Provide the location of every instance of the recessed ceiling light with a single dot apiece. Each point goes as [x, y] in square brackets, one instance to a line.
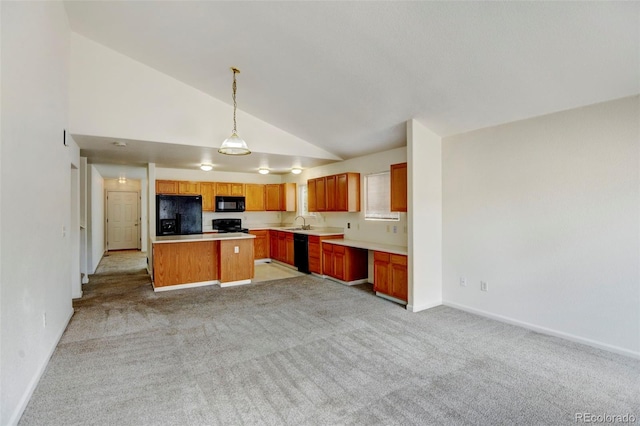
[263, 171]
[206, 167]
[296, 170]
[120, 144]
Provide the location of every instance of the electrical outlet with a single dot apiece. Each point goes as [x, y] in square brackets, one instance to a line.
[395, 229]
[64, 231]
[348, 225]
[463, 281]
[387, 228]
[44, 319]
[484, 286]
[236, 249]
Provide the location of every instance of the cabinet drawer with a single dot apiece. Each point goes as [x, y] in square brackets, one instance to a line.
[314, 265]
[399, 259]
[314, 250]
[314, 239]
[338, 249]
[381, 256]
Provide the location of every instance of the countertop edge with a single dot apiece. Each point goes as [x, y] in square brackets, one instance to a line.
[388, 248]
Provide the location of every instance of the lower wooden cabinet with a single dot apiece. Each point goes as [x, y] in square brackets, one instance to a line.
[315, 251]
[261, 243]
[390, 275]
[281, 246]
[344, 263]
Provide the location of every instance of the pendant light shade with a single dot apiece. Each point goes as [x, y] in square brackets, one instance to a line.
[234, 145]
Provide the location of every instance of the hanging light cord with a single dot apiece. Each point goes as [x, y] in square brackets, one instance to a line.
[235, 71]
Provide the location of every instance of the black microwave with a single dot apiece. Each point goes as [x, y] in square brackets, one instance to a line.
[229, 204]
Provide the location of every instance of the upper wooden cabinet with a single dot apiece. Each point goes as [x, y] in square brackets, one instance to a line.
[335, 193]
[399, 187]
[188, 188]
[166, 187]
[348, 192]
[272, 195]
[207, 189]
[230, 188]
[280, 197]
[255, 197]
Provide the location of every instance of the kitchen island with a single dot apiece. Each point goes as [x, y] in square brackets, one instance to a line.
[183, 261]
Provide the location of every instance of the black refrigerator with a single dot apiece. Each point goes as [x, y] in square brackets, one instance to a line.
[178, 214]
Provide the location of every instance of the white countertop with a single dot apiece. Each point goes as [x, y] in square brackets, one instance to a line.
[201, 237]
[318, 232]
[388, 248]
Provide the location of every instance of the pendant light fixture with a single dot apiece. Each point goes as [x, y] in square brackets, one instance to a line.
[234, 145]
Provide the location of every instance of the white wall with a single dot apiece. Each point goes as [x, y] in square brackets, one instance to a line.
[546, 210]
[373, 231]
[144, 104]
[35, 266]
[424, 185]
[96, 238]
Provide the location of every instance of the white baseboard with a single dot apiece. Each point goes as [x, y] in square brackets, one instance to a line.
[545, 330]
[235, 283]
[183, 286]
[15, 418]
[259, 261]
[354, 282]
[418, 308]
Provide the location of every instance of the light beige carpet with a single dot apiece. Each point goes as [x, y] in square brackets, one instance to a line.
[305, 351]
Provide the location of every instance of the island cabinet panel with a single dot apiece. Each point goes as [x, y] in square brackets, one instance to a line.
[166, 187]
[188, 188]
[183, 263]
[390, 275]
[315, 251]
[230, 188]
[344, 263]
[236, 260]
[207, 189]
[261, 243]
[398, 187]
[274, 253]
[255, 197]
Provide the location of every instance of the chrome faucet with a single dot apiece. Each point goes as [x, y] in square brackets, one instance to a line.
[304, 223]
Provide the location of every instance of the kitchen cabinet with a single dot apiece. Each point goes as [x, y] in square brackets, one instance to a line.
[347, 192]
[280, 197]
[315, 251]
[230, 188]
[260, 243]
[335, 193]
[311, 195]
[330, 191]
[166, 187]
[255, 197]
[344, 263]
[274, 253]
[398, 177]
[273, 193]
[288, 258]
[390, 275]
[188, 188]
[207, 190]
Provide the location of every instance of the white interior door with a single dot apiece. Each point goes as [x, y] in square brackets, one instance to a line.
[122, 220]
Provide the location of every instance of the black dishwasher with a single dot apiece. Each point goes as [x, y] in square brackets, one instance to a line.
[301, 252]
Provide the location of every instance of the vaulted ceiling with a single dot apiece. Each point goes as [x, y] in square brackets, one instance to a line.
[345, 76]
